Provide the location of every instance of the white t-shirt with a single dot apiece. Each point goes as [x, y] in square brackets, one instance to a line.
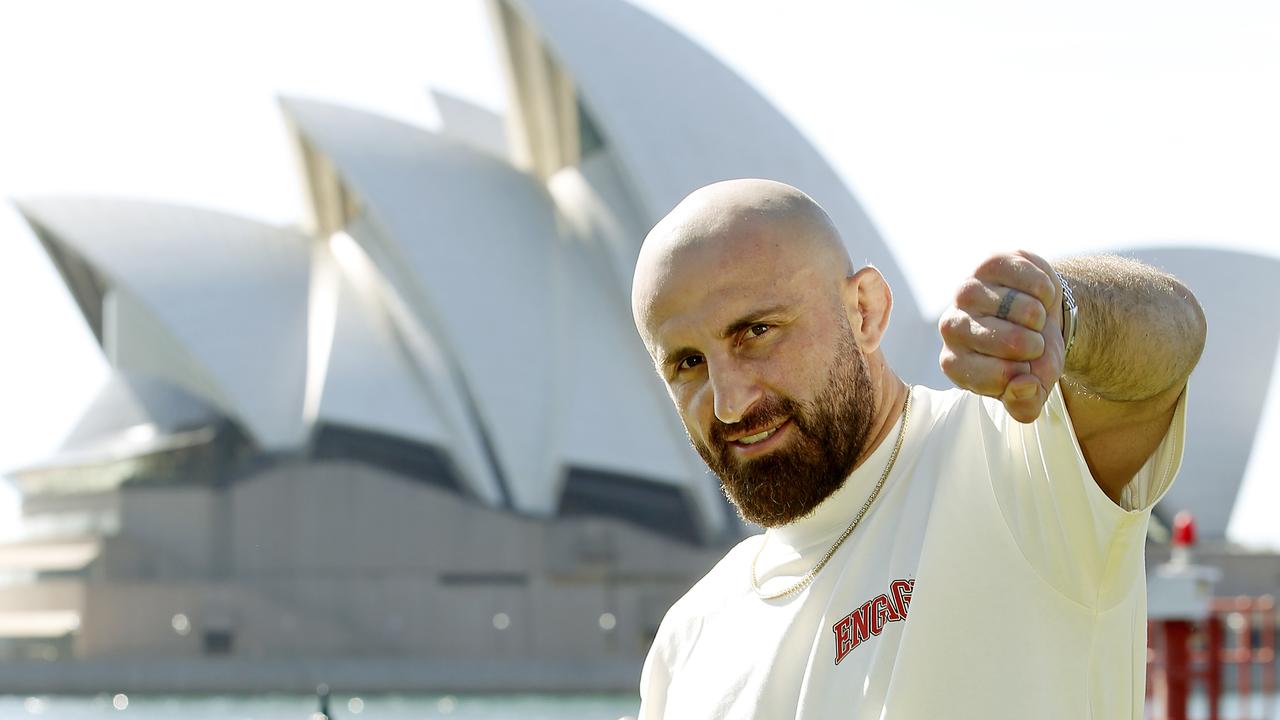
[992, 578]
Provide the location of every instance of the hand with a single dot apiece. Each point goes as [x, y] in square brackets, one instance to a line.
[1016, 359]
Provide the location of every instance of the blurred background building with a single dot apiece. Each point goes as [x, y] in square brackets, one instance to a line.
[415, 442]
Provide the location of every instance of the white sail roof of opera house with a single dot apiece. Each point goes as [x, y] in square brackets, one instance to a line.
[674, 118]
[230, 311]
[368, 379]
[530, 318]
[127, 400]
[472, 124]
[131, 415]
[141, 273]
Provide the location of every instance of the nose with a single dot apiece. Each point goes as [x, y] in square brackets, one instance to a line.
[734, 390]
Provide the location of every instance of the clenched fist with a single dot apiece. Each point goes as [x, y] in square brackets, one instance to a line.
[1002, 337]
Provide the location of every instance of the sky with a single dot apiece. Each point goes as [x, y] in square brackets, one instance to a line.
[963, 128]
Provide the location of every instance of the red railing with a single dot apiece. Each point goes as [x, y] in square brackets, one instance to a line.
[1235, 644]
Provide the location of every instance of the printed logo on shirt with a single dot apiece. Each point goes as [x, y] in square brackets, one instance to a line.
[869, 620]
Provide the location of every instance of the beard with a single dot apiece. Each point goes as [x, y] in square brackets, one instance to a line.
[827, 435]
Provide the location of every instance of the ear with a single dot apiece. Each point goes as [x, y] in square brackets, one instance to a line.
[867, 304]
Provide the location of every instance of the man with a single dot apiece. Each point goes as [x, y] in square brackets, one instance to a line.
[975, 553]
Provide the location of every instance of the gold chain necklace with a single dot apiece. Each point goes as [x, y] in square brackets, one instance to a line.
[805, 581]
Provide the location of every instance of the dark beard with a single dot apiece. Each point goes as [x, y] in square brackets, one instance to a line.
[828, 434]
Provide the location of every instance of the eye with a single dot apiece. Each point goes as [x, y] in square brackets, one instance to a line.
[757, 330]
[689, 362]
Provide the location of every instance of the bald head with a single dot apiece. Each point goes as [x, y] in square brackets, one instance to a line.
[763, 225]
[767, 340]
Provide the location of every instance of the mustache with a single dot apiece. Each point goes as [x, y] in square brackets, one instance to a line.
[765, 413]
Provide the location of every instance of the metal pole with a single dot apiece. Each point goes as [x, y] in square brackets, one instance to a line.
[1177, 635]
[1213, 667]
[1266, 606]
[1244, 641]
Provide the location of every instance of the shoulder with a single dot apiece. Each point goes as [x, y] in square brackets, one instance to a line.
[727, 579]
[726, 582]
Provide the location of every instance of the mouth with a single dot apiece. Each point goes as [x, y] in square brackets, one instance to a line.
[759, 442]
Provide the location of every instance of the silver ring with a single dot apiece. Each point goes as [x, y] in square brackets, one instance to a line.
[1006, 304]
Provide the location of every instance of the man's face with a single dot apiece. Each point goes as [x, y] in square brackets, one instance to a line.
[764, 370]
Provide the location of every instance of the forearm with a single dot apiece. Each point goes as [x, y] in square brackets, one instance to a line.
[1140, 331]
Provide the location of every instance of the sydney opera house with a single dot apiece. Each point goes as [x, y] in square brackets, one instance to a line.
[415, 443]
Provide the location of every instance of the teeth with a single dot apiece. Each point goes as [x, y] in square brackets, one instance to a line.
[753, 439]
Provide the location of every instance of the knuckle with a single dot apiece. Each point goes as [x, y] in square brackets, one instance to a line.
[971, 292]
[990, 266]
[1030, 257]
[952, 325]
[949, 362]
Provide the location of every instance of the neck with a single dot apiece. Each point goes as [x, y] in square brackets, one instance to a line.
[891, 396]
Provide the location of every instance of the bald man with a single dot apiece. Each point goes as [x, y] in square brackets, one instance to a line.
[969, 553]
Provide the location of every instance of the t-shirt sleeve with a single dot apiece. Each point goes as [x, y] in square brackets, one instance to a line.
[1076, 537]
[654, 679]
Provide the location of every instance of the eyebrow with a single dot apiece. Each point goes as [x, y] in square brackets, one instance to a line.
[742, 323]
[749, 319]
